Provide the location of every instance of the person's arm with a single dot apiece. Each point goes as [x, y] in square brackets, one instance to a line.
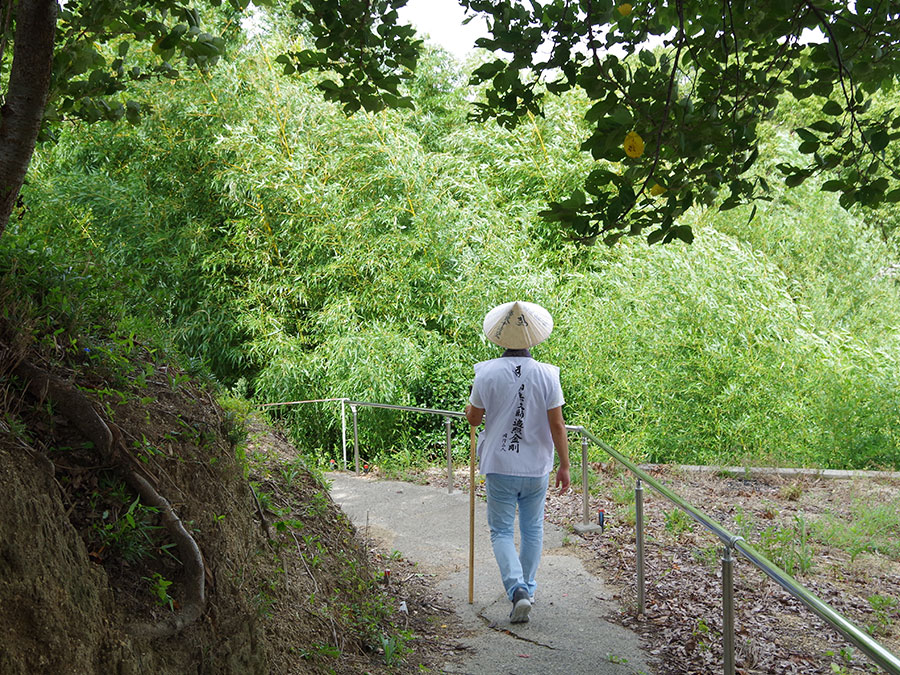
[561, 443]
[474, 415]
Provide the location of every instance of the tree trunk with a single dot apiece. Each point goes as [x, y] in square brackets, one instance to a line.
[29, 84]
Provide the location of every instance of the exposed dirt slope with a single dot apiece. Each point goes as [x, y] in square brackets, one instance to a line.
[289, 587]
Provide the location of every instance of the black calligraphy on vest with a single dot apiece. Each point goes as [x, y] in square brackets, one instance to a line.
[518, 425]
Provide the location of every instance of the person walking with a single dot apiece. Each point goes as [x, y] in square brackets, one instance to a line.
[520, 401]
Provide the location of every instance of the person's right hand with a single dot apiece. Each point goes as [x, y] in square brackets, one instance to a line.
[562, 480]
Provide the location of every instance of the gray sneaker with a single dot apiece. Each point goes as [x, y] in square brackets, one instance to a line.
[521, 606]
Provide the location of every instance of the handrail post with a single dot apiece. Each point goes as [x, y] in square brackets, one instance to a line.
[585, 488]
[344, 431]
[639, 542]
[728, 609]
[447, 423]
[585, 525]
[355, 439]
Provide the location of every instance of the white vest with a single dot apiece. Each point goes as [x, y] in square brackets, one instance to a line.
[516, 393]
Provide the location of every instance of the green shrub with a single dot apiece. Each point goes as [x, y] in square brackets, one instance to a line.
[308, 255]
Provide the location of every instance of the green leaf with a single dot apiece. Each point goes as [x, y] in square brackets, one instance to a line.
[600, 109]
[832, 108]
[173, 38]
[879, 141]
[831, 160]
[880, 184]
[133, 112]
[683, 232]
[808, 147]
[647, 57]
[824, 126]
[833, 186]
[371, 103]
[622, 115]
[612, 239]
[848, 199]
[597, 181]
[655, 236]
[795, 179]
[752, 215]
[729, 204]
[576, 201]
[750, 160]
[785, 168]
[488, 70]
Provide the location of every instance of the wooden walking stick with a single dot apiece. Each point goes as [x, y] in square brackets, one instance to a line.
[472, 513]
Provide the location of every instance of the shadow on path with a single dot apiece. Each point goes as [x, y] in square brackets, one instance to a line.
[567, 632]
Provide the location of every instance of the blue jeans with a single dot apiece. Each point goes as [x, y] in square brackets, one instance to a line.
[504, 493]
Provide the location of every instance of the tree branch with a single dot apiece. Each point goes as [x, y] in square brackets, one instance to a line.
[849, 96]
[669, 92]
[737, 57]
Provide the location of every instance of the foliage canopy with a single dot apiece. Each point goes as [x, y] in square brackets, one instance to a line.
[677, 89]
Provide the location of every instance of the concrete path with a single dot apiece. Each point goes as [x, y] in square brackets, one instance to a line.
[567, 632]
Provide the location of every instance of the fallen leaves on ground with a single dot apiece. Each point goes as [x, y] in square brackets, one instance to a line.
[682, 624]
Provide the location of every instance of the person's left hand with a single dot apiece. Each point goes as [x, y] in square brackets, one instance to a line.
[562, 480]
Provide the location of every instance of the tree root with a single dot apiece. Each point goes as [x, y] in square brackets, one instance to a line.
[262, 514]
[191, 558]
[78, 410]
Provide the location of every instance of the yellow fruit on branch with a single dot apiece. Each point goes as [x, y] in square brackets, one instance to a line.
[657, 190]
[624, 9]
[634, 145]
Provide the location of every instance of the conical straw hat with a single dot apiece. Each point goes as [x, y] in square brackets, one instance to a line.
[518, 325]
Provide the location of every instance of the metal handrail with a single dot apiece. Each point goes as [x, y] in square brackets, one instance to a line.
[823, 610]
[389, 406]
[731, 542]
[433, 411]
[713, 526]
